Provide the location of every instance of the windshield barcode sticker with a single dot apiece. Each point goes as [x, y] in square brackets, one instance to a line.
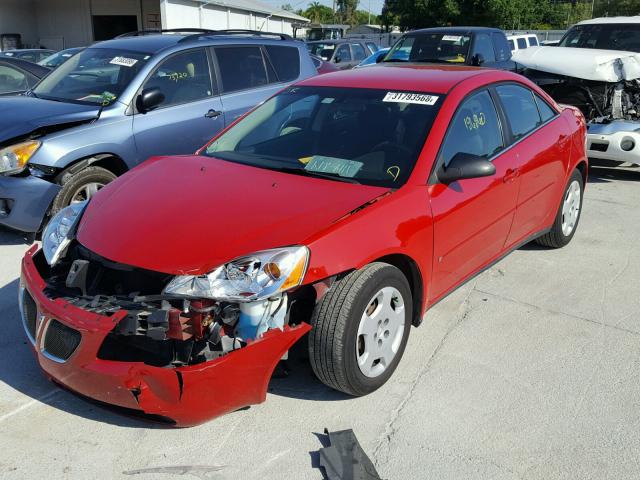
[451, 38]
[419, 98]
[124, 61]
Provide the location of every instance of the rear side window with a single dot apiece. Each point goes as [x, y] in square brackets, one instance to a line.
[241, 68]
[520, 108]
[546, 112]
[502, 48]
[512, 45]
[286, 61]
[533, 41]
[475, 129]
[484, 47]
[522, 43]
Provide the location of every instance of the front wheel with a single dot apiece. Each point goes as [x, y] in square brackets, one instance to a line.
[566, 222]
[360, 329]
[81, 186]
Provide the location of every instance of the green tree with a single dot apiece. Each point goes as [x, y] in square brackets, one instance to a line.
[346, 11]
[288, 7]
[318, 13]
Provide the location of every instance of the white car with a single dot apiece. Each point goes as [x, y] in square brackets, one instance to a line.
[522, 41]
[596, 67]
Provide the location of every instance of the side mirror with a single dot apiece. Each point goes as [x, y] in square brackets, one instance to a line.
[477, 60]
[465, 165]
[337, 60]
[380, 57]
[149, 99]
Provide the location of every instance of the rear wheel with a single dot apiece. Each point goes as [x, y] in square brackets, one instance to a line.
[568, 216]
[360, 329]
[81, 186]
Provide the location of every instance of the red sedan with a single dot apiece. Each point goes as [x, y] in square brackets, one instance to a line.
[346, 206]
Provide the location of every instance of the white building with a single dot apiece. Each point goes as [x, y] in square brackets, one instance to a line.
[61, 24]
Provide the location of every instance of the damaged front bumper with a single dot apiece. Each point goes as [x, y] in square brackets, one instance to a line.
[66, 340]
[617, 141]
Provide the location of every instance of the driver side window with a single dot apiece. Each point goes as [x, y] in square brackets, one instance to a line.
[343, 53]
[475, 129]
[182, 78]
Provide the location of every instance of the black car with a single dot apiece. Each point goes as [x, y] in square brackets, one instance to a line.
[17, 76]
[476, 46]
[347, 53]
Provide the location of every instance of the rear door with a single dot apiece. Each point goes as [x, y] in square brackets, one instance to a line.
[248, 77]
[343, 58]
[191, 113]
[541, 145]
[472, 217]
[358, 53]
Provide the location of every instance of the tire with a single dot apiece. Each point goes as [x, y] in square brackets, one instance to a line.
[558, 236]
[73, 185]
[335, 343]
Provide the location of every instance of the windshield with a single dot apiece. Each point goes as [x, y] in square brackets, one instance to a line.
[94, 76]
[322, 50]
[605, 36]
[58, 58]
[355, 135]
[432, 47]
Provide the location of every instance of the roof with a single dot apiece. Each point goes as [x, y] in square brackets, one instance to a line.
[421, 78]
[601, 20]
[455, 30]
[255, 6]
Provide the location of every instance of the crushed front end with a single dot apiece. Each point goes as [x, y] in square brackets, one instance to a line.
[108, 331]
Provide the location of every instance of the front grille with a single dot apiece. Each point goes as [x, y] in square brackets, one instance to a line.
[599, 147]
[61, 341]
[29, 312]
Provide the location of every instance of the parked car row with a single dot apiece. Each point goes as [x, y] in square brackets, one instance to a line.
[344, 205]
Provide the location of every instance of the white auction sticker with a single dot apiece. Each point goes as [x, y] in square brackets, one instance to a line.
[452, 38]
[124, 61]
[402, 97]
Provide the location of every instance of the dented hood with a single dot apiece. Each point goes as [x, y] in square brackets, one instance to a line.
[585, 63]
[22, 115]
[190, 214]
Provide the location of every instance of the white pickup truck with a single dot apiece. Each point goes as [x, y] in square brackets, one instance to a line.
[596, 67]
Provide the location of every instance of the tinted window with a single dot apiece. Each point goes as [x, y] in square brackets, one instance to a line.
[511, 44]
[520, 109]
[370, 136]
[533, 41]
[500, 45]
[286, 61]
[182, 78]
[546, 112]
[484, 47]
[322, 50]
[241, 68]
[475, 129]
[612, 36]
[373, 48]
[29, 56]
[522, 43]
[12, 80]
[343, 53]
[358, 51]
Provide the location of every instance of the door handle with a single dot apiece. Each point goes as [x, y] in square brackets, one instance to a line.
[511, 175]
[213, 113]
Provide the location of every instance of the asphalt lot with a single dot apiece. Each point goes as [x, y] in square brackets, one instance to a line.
[530, 371]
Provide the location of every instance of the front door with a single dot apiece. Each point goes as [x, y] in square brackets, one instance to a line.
[191, 113]
[472, 217]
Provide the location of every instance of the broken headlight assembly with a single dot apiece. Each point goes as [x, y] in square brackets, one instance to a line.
[60, 231]
[13, 159]
[246, 279]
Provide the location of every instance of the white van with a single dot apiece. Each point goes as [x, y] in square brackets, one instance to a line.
[522, 41]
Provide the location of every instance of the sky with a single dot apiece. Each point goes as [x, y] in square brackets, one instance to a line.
[376, 5]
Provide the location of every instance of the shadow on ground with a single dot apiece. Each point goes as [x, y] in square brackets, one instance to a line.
[599, 174]
[13, 237]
